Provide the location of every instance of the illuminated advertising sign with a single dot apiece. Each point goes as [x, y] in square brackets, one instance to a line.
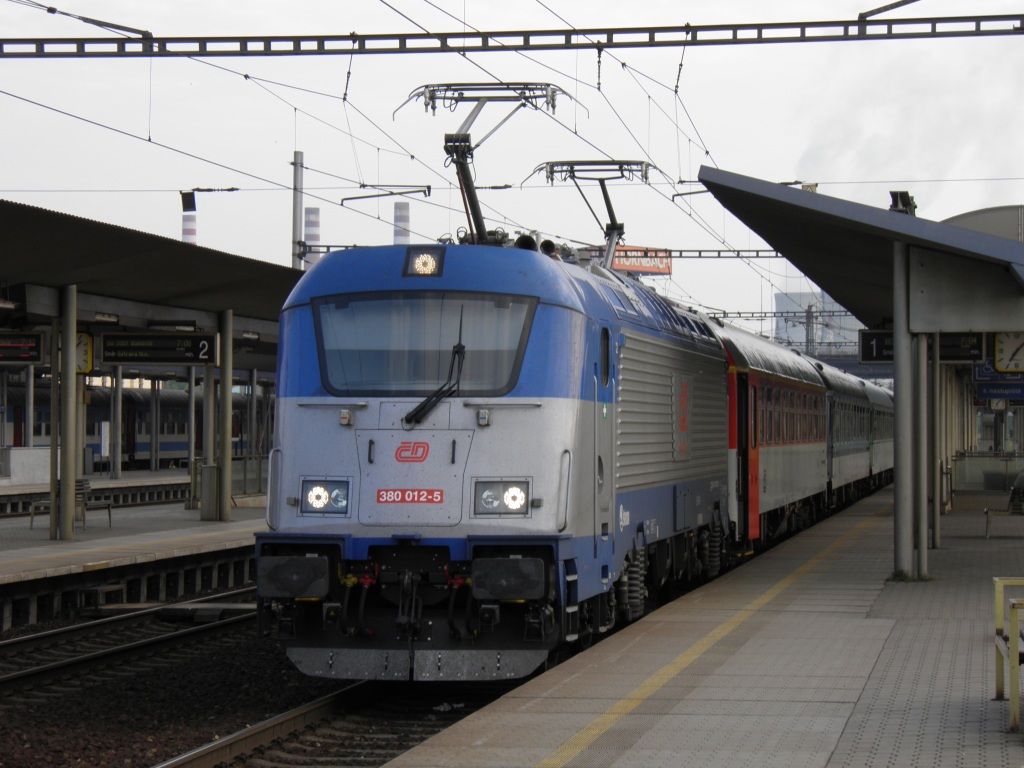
[642, 261]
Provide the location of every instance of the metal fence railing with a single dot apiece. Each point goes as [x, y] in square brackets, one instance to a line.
[248, 476]
[986, 471]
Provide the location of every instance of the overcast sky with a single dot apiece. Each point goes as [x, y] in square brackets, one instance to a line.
[941, 118]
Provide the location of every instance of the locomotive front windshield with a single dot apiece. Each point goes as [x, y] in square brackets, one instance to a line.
[403, 344]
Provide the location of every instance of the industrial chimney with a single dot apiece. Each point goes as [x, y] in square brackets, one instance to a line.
[311, 228]
[401, 223]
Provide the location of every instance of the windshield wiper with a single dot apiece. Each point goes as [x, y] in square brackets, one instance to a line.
[450, 386]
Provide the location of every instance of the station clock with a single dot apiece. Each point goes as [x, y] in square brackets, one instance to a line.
[1008, 356]
[83, 353]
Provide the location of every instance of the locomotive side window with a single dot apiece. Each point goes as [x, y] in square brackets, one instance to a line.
[606, 363]
[403, 344]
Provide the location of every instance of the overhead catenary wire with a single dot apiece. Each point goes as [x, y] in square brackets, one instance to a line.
[347, 102]
[148, 139]
[689, 210]
[296, 110]
[193, 156]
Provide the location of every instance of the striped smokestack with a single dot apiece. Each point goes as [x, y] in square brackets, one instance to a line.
[188, 228]
[311, 228]
[188, 216]
[401, 223]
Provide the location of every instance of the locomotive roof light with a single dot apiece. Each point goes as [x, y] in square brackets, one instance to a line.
[424, 261]
[424, 264]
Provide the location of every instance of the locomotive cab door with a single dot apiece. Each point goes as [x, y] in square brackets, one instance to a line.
[604, 442]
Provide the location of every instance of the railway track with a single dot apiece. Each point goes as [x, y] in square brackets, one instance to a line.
[33, 661]
[365, 724]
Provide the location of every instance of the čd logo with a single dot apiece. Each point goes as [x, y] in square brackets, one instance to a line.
[409, 452]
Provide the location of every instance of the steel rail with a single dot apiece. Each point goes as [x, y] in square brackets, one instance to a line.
[249, 739]
[497, 41]
[23, 678]
[52, 636]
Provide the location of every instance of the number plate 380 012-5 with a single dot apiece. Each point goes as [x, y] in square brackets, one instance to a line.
[410, 496]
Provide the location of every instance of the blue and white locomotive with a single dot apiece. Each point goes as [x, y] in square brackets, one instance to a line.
[481, 454]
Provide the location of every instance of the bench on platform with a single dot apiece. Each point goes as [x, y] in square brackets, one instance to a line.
[1014, 503]
[82, 505]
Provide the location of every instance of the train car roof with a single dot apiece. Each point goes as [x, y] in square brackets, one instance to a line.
[841, 382]
[748, 351]
[470, 268]
[589, 289]
[879, 396]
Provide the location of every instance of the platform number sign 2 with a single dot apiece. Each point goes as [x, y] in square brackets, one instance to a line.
[161, 348]
[681, 416]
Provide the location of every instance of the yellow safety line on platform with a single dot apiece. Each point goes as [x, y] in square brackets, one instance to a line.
[573, 746]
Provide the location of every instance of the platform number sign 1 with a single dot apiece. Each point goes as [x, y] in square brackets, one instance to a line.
[876, 346]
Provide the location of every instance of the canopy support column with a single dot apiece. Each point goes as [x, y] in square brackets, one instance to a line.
[226, 380]
[69, 411]
[903, 496]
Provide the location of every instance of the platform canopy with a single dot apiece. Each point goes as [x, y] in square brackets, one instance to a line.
[144, 280]
[49, 248]
[960, 279]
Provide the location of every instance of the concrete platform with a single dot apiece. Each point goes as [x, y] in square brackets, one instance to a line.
[134, 487]
[151, 553]
[806, 656]
[103, 481]
[137, 535]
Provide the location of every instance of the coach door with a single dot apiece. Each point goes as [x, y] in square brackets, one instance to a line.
[756, 430]
[604, 421]
[743, 425]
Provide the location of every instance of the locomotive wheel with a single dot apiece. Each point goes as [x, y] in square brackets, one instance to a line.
[586, 638]
[714, 551]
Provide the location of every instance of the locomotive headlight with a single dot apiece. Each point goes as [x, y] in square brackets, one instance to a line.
[514, 498]
[316, 497]
[325, 497]
[502, 497]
